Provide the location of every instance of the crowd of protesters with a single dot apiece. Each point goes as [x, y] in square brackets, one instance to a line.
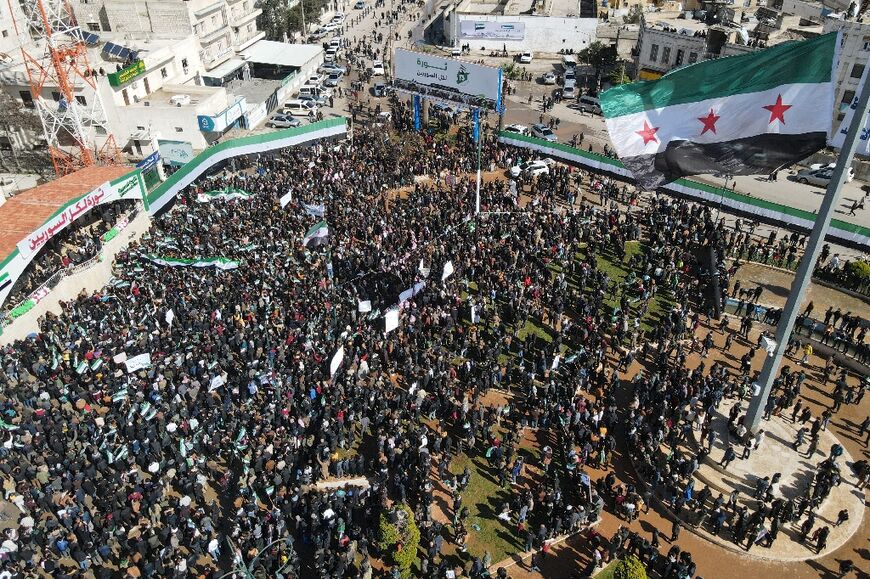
[209, 454]
[71, 247]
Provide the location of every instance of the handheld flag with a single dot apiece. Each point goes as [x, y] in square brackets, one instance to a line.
[742, 115]
[317, 235]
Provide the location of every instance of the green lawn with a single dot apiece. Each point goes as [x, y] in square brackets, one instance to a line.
[607, 572]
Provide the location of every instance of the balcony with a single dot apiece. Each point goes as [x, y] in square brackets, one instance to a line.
[215, 34]
[244, 42]
[241, 17]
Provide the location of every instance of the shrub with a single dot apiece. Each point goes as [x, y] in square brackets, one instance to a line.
[400, 539]
[630, 568]
[859, 271]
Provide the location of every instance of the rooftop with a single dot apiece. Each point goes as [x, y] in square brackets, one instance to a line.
[556, 8]
[255, 90]
[281, 53]
[26, 211]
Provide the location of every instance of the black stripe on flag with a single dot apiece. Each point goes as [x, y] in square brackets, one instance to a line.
[5, 283]
[750, 156]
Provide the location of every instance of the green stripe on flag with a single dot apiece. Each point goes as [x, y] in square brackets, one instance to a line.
[808, 61]
[219, 262]
[81, 367]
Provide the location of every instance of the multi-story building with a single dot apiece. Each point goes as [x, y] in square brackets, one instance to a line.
[222, 27]
[854, 52]
[660, 50]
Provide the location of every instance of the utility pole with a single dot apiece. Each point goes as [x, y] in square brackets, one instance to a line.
[807, 264]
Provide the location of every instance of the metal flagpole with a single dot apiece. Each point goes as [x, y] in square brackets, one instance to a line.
[807, 265]
[479, 139]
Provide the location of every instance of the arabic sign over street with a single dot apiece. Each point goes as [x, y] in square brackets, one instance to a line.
[447, 78]
[487, 30]
[125, 188]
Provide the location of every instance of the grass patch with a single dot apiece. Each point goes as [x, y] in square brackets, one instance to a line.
[607, 572]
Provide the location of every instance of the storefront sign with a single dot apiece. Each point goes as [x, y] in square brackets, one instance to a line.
[125, 75]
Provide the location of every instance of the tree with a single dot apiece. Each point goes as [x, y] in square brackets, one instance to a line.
[599, 55]
[618, 75]
[399, 536]
[635, 15]
[630, 568]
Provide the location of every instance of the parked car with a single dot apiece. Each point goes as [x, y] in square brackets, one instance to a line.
[526, 57]
[820, 175]
[333, 79]
[330, 68]
[589, 104]
[302, 108]
[455, 52]
[282, 121]
[543, 132]
[319, 33]
[380, 89]
[332, 26]
[548, 78]
[569, 92]
[377, 68]
[519, 129]
[569, 77]
[320, 101]
[359, 5]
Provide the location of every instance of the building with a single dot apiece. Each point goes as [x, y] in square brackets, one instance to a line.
[854, 52]
[664, 48]
[550, 26]
[222, 27]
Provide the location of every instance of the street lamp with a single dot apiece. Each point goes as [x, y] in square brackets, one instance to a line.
[245, 570]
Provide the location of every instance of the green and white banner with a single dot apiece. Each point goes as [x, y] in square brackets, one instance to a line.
[225, 194]
[223, 263]
[849, 234]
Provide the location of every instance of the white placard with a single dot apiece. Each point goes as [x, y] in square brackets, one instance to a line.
[448, 270]
[286, 199]
[137, 363]
[391, 321]
[364, 306]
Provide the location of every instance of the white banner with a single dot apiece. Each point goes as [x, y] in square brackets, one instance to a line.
[364, 306]
[286, 199]
[137, 363]
[336, 361]
[391, 321]
[446, 78]
[487, 30]
[839, 137]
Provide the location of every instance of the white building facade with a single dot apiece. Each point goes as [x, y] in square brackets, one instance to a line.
[854, 52]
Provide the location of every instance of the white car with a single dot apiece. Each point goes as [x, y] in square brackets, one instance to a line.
[329, 68]
[532, 168]
[315, 80]
[377, 68]
[548, 78]
[820, 175]
[518, 129]
[543, 132]
[526, 58]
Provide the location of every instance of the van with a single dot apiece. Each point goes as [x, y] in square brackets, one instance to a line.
[310, 90]
[300, 108]
[569, 62]
[588, 103]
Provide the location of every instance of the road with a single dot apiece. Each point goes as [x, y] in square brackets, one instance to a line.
[361, 24]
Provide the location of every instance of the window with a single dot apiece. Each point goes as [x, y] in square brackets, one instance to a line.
[857, 71]
[100, 130]
[93, 26]
[179, 130]
[693, 57]
[55, 96]
[81, 100]
[679, 60]
[5, 34]
[867, 43]
[140, 128]
[666, 54]
[184, 65]
[847, 97]
[27, 98]
[163, 73]
[653, 52]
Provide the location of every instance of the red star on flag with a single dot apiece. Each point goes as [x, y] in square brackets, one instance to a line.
[648, 133]
[777, 110]
[709, 122]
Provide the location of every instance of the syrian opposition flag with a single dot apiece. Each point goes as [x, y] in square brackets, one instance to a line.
[741, 115]
[317, 235]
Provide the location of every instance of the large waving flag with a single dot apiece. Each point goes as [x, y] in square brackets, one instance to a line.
[742, 115]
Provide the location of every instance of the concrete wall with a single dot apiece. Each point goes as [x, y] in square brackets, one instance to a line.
[543, 33]
[167, 18]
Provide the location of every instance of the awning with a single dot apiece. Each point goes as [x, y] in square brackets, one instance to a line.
[118, 51]
[225, 69]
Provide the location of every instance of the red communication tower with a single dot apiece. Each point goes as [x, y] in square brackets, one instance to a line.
[75, 124]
